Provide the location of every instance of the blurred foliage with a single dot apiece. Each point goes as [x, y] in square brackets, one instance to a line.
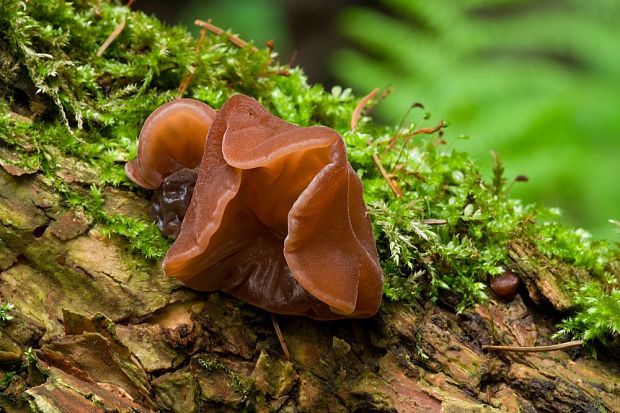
[535, 80]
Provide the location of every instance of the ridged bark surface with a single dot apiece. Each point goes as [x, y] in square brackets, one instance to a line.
[111, 333]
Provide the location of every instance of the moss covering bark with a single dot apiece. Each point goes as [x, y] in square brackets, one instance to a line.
[97, 325]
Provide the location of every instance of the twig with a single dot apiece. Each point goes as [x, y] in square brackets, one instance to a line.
[535, 349]
[276, 327]
[188, 78]
[393, 186]
[409, 136]
[207, 26]
[435, 221]
[115, 33]
[357, 112]
[425, 131]
[184, 85]
[264, 72]
[203, 33]
[530, 218]
[355, 116]
[221, 32]
[397, 135]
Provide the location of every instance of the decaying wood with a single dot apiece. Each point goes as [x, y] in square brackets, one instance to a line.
[111, 333]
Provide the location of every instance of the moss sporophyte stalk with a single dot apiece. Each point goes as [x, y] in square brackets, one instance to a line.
[442, 239]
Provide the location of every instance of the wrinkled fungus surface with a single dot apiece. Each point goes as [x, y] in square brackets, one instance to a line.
[276, 217]
[171, 200]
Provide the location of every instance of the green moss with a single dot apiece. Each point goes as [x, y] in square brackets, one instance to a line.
[597, 315]
[5, 312]
[75, 104]
[573, 245]
[7, 379]
[438, 185]
[242, 386]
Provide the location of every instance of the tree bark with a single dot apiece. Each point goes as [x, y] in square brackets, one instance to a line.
[109, 332]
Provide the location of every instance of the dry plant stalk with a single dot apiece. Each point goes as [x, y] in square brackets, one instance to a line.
[354, 122]
[221, 32]
[391, 182]
[188, 78]
[276, 327]
[357, 112]
[207, 26]
[115, 33]
[536, 349]
[409, 136]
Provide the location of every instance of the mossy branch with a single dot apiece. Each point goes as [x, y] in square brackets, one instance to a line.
[60, 101]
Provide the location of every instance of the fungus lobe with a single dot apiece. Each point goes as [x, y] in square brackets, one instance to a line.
[171, 139]
[276, 218]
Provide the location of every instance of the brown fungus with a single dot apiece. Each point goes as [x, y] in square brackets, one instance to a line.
[277, 219]
[172, 138]
[171, 200]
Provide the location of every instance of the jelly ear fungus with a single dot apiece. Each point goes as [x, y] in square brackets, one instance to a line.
[276, 218]
[172, 138]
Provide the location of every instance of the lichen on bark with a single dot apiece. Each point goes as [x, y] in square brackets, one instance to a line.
[96, 325]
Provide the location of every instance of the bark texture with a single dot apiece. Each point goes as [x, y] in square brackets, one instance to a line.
[110, 333]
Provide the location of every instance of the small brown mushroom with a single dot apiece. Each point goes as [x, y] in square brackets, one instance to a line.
[172, 138]
[277, 219]
[505, 285]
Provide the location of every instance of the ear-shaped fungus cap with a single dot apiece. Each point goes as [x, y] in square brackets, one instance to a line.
[171, 139]
[277, 219]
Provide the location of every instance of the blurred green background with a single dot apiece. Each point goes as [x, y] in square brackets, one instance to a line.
[536, 80]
